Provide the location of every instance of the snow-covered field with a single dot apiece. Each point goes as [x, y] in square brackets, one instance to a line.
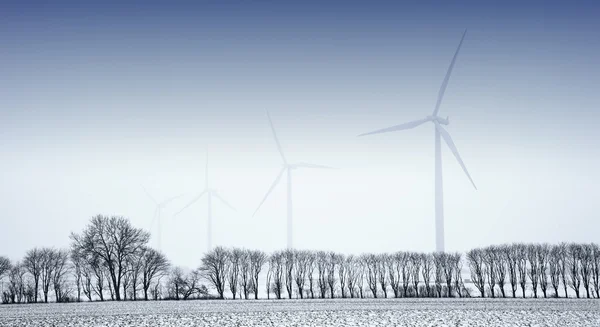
[388, 312]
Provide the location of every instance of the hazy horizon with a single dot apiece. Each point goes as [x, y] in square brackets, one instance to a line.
[100, 99]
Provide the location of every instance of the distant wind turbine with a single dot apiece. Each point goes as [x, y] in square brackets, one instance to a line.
[210, 193]
[439, 132]
[287, 167]
[157, 214]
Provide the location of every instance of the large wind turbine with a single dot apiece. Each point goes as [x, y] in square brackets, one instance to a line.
[439, 132]
[157, 213]
[210, 193]
[287, 168]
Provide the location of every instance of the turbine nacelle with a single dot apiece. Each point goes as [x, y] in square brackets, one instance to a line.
[440, 120]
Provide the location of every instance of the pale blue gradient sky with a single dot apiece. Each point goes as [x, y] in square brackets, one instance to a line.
[96, 100]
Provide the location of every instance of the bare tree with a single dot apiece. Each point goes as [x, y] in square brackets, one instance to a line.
[321, 263]
[457, 265]
[510, 260]
[406, 269]
[245, 274]
[475, 259]
[382, 272]
[532, 257]
[415, 264]
[289, 258]
[233, 269]
[489, 258]
[360, 276]
[332, 261]
[554, 265]
[543, 255]
[311, 258]
[257, 261]
[114, 240]
[4, 266]
[59, 276]
[276, 263]
[521, 253]
[153, 265]
[563, 252]
[352, 272]
[439, 259]
[214, 269]
[574, 254]
[587, 255]
[342, 273]
[500, 261]
[371, 264]
[33, 264]
[47, 270]
[270, 272]
[595, 269]
[449, 272]
[427, 262]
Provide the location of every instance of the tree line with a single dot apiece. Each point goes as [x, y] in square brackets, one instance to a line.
[111, 260]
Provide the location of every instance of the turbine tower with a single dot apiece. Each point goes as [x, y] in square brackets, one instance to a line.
[440, 132]
[157, 214]
[210, 193]
[287, 168]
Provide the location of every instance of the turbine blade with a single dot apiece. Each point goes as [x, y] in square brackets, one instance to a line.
[447, 77]
[308, 165]
[149, 196]
[191, 202]
[215, 194]
[448, 139]
[165, 202]
[270, 189]
[400, 127]
[276, 139]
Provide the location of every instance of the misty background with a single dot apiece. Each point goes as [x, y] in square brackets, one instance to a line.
[97, 100]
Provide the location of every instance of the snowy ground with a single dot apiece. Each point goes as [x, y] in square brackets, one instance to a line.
[449, 312]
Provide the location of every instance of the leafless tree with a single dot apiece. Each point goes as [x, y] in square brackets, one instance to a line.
[439, 259]
[415, 264]
[475, 259]
[595, 269]
[33, 264]
[153, 265]
[574, 254]
[587, 255]
[289, 258]
[543, 255]
[457, 265]
[554, 265]
[257, 261]
[427, 263]
[343, 273]
[4, 266]
[563, 252]
[245, 274]
[16, 282]
[406, 269]
[352, 272]
[47, 267]
[521, 254]
[371, 264]
[214, 269]
[360, 276]
[332, 261]
[114, 240]
[510, 259]
[532, 257]
[311, 258]
[60, 274]
[276, 263]
[489, 258]
[382, 272]
[501, 268]
[268, 279]
[321, 263]
[234, 258]
[449, 272]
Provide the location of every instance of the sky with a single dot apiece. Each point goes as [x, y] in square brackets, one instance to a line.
[101, 100]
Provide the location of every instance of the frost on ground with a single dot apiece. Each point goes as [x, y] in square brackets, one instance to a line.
[402, 312]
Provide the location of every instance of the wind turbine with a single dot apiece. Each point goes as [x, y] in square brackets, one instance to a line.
[157, 213]
[210, 193]
[440, 132]
[287, 168]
